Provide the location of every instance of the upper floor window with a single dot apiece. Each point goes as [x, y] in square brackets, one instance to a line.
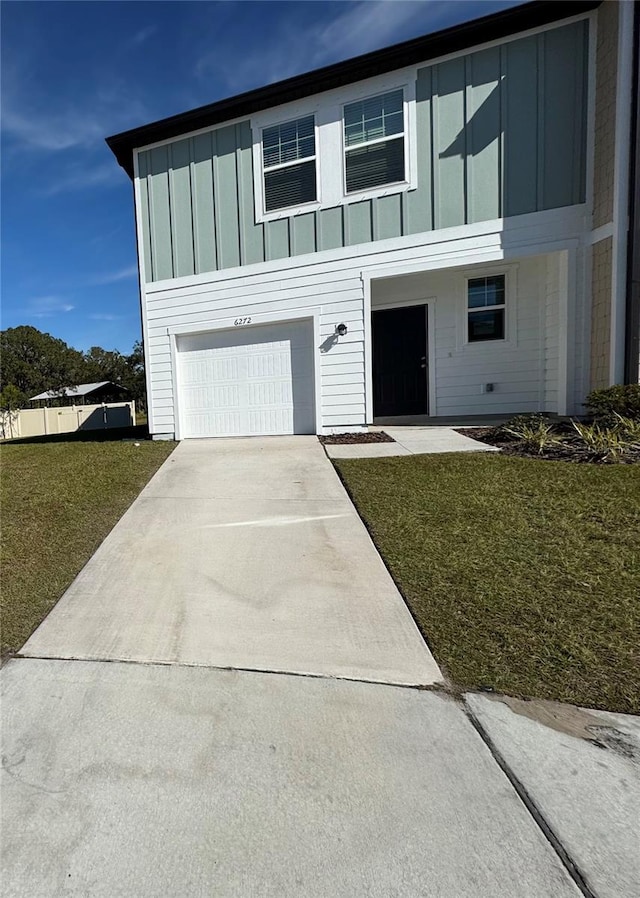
[335, 148]
[374, 142]
[486, 308]
[289, 164]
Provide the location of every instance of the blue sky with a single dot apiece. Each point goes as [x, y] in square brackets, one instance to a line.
[75, 72]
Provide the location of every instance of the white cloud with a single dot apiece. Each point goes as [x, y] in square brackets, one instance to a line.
[52, 131]
[80, 177]
[362, 26]
[112, 277]
[141, 36]
[104, 317]
[47, 306]
[32, 124]
[368, 25]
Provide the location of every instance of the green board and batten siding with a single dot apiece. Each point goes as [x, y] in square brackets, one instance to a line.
[500, 132]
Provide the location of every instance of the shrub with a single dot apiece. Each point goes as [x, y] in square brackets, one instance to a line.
[511, 429]
[629, 428]
[536, 436]
[622, 400]
[605, 443]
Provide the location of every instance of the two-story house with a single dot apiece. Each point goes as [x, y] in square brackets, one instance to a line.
[434, 230]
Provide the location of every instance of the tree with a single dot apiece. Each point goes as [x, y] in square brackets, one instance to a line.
[34, 362]
[125, 370]
[105, 364]
[11, 401]
[136, 381]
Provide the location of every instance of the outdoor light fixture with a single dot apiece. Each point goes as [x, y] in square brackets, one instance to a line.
[341, 329]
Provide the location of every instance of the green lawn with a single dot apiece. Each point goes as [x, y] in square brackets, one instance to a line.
[59, 501]
[523, 575]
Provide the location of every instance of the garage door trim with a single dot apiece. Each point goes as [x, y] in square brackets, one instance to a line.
[227, 324]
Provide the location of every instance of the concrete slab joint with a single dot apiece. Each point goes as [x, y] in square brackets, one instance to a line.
[580, 769]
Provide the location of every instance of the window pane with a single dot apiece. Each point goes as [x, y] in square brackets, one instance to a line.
[393, 124]
[374, 118]
[382, 163]
[476, 293]
[288, 141]
[486, 325]
[485, 291]
[495, 290]
[307, 146]
[291, 186]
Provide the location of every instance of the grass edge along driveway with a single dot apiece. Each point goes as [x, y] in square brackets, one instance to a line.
[523, 575]
[59, 500]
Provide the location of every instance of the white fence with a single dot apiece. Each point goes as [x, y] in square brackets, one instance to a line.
[41, 421]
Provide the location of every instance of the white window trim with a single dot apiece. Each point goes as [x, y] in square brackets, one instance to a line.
[328, 112]
[259, 171]
[509, 272]
[408, 117]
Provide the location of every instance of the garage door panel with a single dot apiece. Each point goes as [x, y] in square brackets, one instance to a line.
[200, 399]
[269, 393]
[276, 363]
[254, 380]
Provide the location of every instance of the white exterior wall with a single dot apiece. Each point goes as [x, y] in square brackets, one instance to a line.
[523, 368]
[532, 372]
[329, 299]
[550, 322]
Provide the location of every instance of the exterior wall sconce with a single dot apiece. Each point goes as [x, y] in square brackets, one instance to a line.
[341, 329]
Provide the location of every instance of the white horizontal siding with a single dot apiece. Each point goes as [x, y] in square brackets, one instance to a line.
[334, 299]
[330, 286]
[459, 370]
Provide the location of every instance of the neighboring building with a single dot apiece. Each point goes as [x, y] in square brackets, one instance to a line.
[84, 394]
[433, 230]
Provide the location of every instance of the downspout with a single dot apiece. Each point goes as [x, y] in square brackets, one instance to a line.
[632, 316]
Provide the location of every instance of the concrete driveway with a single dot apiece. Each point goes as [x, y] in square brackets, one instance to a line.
[242, 553]
[132, 765]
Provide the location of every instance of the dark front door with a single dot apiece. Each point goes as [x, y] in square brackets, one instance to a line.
[400, 361]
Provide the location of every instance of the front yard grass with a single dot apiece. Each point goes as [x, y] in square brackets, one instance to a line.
[523, 575]
[59, 500]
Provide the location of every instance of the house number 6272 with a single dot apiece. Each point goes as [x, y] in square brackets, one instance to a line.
[240, 321]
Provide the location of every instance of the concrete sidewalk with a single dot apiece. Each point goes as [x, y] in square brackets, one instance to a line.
[149, 781]
[581, 768]
[243, 553]
[411, 441]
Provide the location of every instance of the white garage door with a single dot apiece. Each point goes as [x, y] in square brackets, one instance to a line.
[245, 381]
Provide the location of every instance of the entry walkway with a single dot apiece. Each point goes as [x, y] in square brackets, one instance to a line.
[411, 441]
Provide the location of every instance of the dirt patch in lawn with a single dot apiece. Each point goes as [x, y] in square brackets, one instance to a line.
[345, 439]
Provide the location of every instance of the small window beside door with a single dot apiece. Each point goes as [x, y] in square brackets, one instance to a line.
[486, 308]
